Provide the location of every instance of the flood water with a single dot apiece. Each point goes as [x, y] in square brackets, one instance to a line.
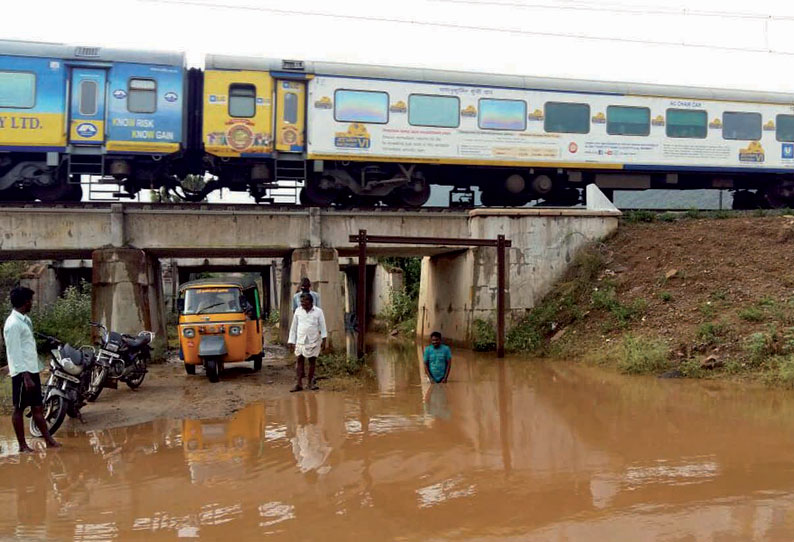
[512, 450]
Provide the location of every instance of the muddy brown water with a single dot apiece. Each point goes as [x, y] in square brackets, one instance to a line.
[512, 450]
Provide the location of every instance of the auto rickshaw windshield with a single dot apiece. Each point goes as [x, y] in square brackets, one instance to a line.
[212, 300]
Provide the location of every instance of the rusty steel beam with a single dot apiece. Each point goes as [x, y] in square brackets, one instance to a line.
[501, 243]
[456, 241]
[361, 292]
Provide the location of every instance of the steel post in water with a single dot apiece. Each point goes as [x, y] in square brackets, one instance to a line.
[361, 293]
[500, 296]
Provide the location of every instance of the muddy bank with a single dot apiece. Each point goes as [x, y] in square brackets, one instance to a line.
[684, 296]
[168, 392]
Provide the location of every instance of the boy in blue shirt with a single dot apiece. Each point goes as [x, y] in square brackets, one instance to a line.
[438, 359]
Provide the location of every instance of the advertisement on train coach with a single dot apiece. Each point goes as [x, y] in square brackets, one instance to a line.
[424, 122]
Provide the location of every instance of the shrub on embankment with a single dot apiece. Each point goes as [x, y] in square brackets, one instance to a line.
[696, 295]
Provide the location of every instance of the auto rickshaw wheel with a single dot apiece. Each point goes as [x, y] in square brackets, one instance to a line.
[258, 363]
[190, 368]
[212, 368]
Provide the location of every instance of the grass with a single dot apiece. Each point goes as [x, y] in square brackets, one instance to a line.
[633, 217]
[711, 333]
[606, 299]
[667, 217]
[751, 314]
[707, 309]
[484, 339]
[562, 307]
[5, 394]
[642, 355]
[666, 296]
[343, 372]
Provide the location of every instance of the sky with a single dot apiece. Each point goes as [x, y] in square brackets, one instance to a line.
[711, 43]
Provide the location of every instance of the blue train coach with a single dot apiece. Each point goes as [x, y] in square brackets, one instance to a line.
[69, 111]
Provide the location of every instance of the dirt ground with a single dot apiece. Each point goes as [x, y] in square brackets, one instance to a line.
[168, 392]
[692, 272]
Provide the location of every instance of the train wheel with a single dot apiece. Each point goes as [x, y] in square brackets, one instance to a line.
[414, 194]
[58, 192]
[780, 195]
[318, 192]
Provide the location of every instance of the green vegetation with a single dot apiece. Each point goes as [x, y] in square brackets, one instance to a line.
[400, 313]
[560, 308]
[191, 182]
[642, 355]
[605, 298]
[484, 336]
[693, 213]
[274, 318]
[751, 314]
[339, 365]
[633, 217]
[68, 318]
[668, 217]
[710, 333]
[666, 296]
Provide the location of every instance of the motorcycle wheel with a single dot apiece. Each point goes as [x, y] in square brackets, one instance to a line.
[212, 369]
[98, 374]
[54, 413]
[135, 380]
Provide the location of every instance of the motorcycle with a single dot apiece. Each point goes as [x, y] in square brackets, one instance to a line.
[69, 385]
[120, 357]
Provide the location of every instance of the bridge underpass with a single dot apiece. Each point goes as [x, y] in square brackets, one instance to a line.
[127, 243]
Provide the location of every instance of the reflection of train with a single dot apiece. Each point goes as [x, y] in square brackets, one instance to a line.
[365, 134]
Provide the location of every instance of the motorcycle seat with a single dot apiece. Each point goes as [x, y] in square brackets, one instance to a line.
[136, 342]
[72, 353]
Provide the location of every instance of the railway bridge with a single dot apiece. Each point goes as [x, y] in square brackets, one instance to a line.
[126, 243]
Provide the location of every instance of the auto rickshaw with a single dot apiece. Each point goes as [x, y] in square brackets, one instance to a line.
[219, 322]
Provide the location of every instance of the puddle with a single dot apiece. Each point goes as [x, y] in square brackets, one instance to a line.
[510, 450]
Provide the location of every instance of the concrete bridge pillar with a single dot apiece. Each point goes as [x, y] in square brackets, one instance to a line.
[42, 279]
[128, 293]
[321, 265]
[455, 290]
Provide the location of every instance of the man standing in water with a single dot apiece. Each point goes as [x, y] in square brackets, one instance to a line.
[23, 366]
[306, 288]
[307, 336]
[438, 359]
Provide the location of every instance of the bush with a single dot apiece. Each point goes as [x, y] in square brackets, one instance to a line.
[710, 332]
[273, 319]
[668, 217]
[640, 355]
[606, 299]
[484, 336]
[666, 296]
[68, 318]
[401, 308]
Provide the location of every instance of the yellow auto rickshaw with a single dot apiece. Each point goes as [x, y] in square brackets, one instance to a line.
[219, 322]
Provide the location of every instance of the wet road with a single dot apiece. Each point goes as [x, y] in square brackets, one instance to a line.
[506, 451]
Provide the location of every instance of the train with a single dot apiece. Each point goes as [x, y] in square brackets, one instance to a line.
[353, 134]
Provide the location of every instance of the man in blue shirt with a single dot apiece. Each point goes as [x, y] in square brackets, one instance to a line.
[438, 359]
[23, 366]
[306, 288]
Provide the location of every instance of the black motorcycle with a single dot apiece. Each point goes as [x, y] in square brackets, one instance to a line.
[70, 383]
[120, 357]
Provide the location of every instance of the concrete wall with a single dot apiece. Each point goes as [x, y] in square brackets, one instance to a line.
[42, 279]
[457, 289]
[127, 293]
[385, 281]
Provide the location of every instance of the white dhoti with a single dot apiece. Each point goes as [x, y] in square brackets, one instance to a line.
[310, 350]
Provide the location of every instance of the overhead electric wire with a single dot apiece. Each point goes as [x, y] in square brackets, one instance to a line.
[455, 26]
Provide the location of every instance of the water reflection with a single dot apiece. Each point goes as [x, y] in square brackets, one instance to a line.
[509, 450]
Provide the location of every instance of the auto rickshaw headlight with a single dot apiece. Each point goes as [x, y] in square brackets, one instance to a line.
[189, 332]
[235, 330]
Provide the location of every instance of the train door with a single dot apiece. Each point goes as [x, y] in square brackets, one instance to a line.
[87, 107]
[290, 115]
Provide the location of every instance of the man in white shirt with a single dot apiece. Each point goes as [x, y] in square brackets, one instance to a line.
[307, 336]
[23, 366]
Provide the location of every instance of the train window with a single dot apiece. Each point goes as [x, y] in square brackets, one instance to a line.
[502, 114]
[744, 126]
[784, 127]
[566, 118]
[687, 123]
[630, 121]
[291, 108]
[142, 96]
[88, 97]
[437, 111]
[17, 89]
[361, 106]
[242, 100]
